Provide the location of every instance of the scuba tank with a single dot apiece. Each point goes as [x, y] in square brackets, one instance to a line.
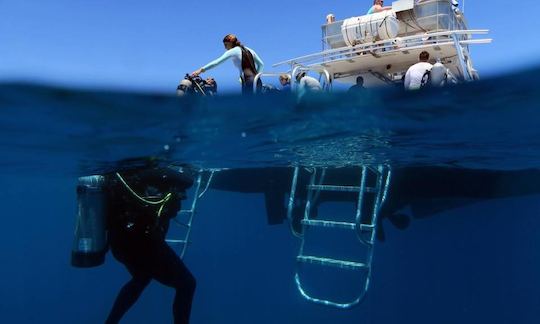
[438, 75]
[90, 242]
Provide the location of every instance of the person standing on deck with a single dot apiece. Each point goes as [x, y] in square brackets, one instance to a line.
[247, 61]
[377, 7]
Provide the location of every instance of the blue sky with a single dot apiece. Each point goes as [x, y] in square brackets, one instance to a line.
[149, 45]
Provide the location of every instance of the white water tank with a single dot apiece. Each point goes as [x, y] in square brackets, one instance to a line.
[369, 28]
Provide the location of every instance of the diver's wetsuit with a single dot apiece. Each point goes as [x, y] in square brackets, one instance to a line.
[249, 71]
[248, 63]
[137, 239]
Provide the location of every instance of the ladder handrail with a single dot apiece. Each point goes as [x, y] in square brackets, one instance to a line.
[327, 302]
[292, 196]
[188, 226]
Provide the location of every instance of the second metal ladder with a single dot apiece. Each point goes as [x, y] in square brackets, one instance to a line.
[186, 215]
[363, 226]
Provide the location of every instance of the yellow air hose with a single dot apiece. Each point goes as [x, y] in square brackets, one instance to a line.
[161, 202]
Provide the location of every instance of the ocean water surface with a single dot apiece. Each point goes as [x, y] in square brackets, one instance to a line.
[472, 263]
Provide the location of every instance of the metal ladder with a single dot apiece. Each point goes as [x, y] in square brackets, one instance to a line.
[365, 231]
[187, 223]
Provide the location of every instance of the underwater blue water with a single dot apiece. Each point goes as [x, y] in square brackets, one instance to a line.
[475, 264]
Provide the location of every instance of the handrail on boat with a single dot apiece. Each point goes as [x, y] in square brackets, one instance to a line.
[382, 44]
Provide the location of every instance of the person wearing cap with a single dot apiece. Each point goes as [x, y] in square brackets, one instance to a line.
[307, 84]
[377, 7]
[247, 61]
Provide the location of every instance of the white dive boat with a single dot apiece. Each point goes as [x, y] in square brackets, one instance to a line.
[380, 47]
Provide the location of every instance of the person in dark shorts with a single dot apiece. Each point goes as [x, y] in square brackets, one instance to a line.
[142, 203]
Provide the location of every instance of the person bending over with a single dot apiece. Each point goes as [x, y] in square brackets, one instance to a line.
[247, 61]
[307, 85]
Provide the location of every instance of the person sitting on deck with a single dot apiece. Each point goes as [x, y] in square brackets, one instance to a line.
[415, 76]
[285, 81]
[378, 7]
[358, 87]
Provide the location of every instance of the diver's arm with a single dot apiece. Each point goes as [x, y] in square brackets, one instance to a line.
[258, 62]
[227, 55]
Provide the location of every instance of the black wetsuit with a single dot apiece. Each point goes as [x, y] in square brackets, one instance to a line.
[137, 239]
[249, 71]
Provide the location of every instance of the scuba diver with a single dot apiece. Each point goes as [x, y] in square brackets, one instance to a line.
[129, 212]
[142, 204]
[195, 85]
[249, 64]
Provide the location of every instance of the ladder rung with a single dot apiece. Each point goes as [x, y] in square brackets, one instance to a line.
[339, 188]
[178, 241]
[186, 211]
[326, 223]
[179, 223]
[351, 265]
[366, 227]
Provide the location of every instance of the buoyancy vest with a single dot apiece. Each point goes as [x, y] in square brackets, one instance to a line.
[248, 63]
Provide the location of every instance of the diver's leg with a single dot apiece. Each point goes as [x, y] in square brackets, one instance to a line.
[247, 86]
[127, 296]
[169, 270]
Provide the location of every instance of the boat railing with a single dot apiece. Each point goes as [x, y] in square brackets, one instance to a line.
[464, 38]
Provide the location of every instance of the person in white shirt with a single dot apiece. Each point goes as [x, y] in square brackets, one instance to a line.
[415, 74]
